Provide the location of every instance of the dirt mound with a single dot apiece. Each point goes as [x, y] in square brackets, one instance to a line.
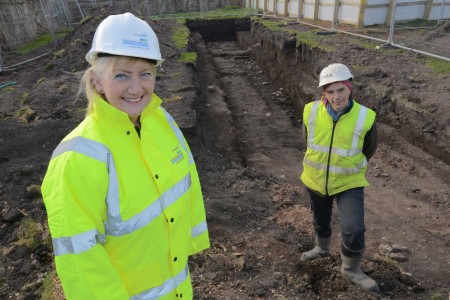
[441, 31]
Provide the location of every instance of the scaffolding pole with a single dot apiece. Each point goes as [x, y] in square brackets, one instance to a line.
[79, 8]
[66, 12]
[391, 27]
[1, 63]
[46, 16]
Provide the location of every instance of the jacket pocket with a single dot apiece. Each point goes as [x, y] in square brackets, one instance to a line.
[143, 278]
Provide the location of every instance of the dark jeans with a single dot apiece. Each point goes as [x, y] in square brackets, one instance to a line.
[350, 205]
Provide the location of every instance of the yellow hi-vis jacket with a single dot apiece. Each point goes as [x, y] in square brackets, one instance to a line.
[124, 212]
[334, 161]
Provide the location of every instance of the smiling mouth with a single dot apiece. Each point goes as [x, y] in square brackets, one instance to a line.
[132, 100]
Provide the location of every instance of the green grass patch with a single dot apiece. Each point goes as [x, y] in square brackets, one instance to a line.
[59, 54]
[311, 39]
[367, 44]
[273, 25]
[24, 99]
[308, 37]
[439, 66]
[173, 98]
[29, 233]
[24, 114]
[436, 296]
[9, 89]
[81, 110]
[188, 57]
[85, 19]
[417, 23]
[41, 41]
[180, 37]
[50, 287]
[230, 11]
[177, 74]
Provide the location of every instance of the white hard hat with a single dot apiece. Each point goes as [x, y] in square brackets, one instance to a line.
[334, 73]
[125, 35]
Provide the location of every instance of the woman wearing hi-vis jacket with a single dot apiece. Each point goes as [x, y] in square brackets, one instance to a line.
[122, 193]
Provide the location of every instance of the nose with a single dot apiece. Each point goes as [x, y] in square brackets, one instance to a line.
[135, 87]
[333, 96]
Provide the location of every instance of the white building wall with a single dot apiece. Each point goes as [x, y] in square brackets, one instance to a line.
[439, 11]
[260, 5]
[349, 14]
[270, 6]
[293, 8]
[374, 16]
[376, 2]
[375, 11]
[280, 7]
[409, 12]
[326, 12]
[308, 9]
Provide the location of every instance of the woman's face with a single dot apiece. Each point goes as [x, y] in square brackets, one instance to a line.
[128, 86]
[338, 95]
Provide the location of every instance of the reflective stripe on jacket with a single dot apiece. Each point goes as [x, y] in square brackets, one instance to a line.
[334, 161]
[124, 212]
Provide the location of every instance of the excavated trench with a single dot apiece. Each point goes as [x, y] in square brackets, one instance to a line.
[243, 113]
[290, 70]
[251, 86]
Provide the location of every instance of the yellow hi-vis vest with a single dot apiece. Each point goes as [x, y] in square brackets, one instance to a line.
[334, 161]
[124, 212]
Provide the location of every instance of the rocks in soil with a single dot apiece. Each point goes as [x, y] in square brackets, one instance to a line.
[396, 252]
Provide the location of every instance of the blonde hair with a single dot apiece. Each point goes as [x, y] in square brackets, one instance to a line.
[100, 67]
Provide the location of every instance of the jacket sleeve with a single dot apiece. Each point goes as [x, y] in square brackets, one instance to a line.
[370, 142]
[200, 234]
[305, 134]
[74, 191]
[199, 228]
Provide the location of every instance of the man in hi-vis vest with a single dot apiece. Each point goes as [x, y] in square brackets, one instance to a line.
[341, 137]
[123, 197]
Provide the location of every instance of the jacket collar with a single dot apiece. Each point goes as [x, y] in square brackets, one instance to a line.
[103, 111]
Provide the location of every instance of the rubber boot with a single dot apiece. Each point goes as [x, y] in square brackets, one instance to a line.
[321, 249]
[350, 268]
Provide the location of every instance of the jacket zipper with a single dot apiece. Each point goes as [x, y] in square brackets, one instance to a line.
[329, 158]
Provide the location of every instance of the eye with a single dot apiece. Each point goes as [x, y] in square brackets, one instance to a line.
[147, 75]
[120, 76]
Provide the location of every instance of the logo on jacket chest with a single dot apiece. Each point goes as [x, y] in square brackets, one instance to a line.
[177, 155]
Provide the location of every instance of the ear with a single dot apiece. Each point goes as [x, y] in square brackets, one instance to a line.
[97, 84]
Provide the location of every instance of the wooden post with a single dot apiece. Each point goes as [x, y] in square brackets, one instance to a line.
[286, 8]
[316, 10]
[300, 9]
[362, 13]
[265, 6]
[275, 7]
[389, 12]
[428, 7]
[337, 4]
[1, 63]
